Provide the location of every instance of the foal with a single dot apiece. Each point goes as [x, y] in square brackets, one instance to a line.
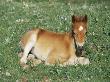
[56, 48]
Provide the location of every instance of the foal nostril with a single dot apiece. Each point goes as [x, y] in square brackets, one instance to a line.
[81, 48]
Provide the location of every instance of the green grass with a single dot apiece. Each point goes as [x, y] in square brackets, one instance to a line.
[16, 17]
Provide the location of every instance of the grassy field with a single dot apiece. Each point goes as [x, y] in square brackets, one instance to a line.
[18, 16]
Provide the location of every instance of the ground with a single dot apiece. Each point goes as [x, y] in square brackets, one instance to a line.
[18, 16]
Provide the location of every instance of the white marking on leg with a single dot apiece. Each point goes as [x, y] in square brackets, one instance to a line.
[80, 28]
[83, 61]
[28, 47]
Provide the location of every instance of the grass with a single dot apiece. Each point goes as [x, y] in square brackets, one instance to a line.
[18, 16]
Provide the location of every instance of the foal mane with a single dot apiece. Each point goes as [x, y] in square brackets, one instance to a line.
[78, 52]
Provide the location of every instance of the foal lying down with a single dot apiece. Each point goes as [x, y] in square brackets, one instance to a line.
[56, 48]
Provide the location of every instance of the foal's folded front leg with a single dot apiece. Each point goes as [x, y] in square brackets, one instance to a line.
[77, 60]
[83, 61]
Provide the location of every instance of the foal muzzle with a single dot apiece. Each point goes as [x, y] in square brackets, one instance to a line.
[79, 51]
[80, 48]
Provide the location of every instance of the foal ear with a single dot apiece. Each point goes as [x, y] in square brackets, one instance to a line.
[85, 18]
[73, 19]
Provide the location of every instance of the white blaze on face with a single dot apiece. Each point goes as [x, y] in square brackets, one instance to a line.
[81, 28]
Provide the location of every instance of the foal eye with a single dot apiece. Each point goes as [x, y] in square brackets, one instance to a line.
[74, 33]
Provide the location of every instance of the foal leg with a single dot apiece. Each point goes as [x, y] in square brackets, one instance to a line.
[83, 61]
[30, 44]
[51, 59]
[30, 56]
[77, 60]
[25, 53]
[71, 61]
[23, 59]
[34, 61]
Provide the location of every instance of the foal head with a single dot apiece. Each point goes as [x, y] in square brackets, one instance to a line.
[79, 29]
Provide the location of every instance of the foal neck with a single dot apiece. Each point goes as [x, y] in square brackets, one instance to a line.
[78, 52]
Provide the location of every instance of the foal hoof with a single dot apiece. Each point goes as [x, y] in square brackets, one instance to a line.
[20, 54]
[35, 62]
[31, 57]
[84, 61]
[24, 65]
